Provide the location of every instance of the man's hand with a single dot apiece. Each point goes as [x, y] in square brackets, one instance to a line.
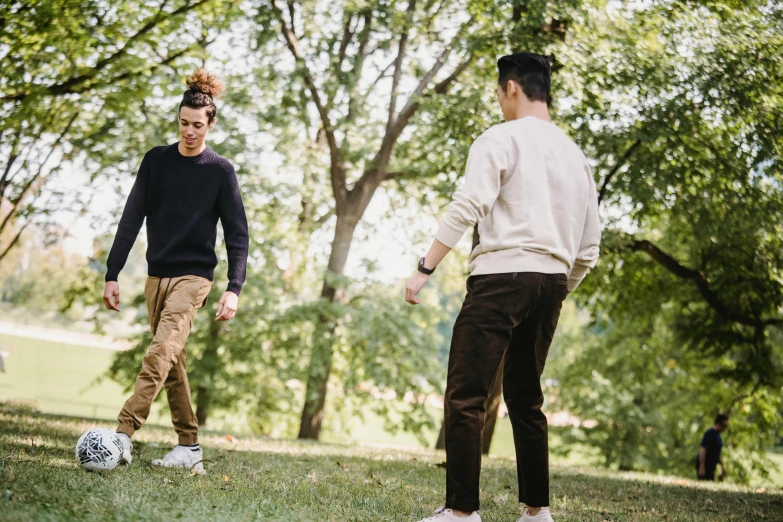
[227, 307]
[414, 286]
[702, 472]
[111, 295]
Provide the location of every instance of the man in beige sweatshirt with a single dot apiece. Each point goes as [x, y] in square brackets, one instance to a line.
[529, 190]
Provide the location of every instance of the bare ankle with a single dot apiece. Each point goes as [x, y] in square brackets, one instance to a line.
[533, 511]
[462, 514]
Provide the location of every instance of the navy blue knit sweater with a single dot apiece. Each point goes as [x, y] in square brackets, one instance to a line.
[182, 198]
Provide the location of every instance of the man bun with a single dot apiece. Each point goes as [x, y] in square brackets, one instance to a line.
[203, 88]
[205, 82]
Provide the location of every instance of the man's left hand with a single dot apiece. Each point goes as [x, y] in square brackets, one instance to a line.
[414, 286]
[227, 307]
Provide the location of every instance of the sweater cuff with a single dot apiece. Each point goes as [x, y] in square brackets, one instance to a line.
[449, 235]
[111, 275]
[234, 286]
[576, 276]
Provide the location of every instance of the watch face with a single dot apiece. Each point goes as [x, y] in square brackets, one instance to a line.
[424, 270]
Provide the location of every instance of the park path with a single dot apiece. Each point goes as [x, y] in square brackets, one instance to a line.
[63, 336]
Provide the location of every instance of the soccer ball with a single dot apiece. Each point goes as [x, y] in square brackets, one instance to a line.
[99, 449]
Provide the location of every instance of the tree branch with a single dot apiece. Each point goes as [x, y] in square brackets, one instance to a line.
[320, 220]
[13, 242]
[337, 173]
[401, 49]
[12, 156]
[292, 15]
[676, 268]
[356, 72]
[380, 77]
[163, 62]
[346, 39]
[443, 86]
[395, 175]
[374, 176]
[608, 178]
[431, 18]
[413, 102]
[36, 180]
[390, 138]
[51, 113]
[76, 84]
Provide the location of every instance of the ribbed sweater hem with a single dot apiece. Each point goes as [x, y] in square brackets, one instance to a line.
[179, 270]
[516, 260]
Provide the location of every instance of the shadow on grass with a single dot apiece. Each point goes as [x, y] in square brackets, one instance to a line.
[291, 480]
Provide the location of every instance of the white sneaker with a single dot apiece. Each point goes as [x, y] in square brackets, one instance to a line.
[183, 457]
[447, 515]
[126, 457]
[541, 516]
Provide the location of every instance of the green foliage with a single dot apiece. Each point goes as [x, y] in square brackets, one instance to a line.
[88, 84]
[679, 103]
[681, 109]
[644, 400]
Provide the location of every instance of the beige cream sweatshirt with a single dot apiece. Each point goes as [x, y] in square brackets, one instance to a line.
[530, 189]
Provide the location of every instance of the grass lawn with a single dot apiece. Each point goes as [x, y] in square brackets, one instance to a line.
[264, 479]
[59, 378]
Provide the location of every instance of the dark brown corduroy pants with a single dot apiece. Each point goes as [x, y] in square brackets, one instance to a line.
[511, 318]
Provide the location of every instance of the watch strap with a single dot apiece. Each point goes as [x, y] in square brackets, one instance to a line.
[424, 270]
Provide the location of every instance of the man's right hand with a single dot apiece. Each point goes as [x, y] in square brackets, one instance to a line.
[111, 296]
[702, 472]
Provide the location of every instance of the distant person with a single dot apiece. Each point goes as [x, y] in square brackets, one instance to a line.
[529, 189]
[709, 450]
[182, 190]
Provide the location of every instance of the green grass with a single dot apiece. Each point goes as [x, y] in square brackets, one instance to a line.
[776, 473]
[264, 479]
[60, 378]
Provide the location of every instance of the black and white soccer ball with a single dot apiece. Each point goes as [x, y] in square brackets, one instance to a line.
[99, 449]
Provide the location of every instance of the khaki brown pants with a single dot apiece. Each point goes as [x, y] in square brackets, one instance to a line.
[172, 303]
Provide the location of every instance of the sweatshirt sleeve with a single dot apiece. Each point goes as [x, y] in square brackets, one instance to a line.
[130, 222]
[486, 166]
[234, 220]
[587, 256]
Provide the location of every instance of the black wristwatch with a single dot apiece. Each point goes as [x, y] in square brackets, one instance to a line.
[424, 270]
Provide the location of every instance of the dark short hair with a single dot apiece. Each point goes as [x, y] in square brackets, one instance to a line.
[533, 73]
[721, 418]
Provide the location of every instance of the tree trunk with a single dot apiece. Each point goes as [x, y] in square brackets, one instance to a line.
[321, 360]
[490, 419]
[202, 404]
[209, 359]
[440, 444]
[493, 407]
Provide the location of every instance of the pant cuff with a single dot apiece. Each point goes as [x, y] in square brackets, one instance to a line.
[462, 504]
[188, 440]
[126, 429]
[537, 503]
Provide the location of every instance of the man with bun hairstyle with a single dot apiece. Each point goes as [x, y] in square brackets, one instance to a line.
[182, 190]
[529, 191]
